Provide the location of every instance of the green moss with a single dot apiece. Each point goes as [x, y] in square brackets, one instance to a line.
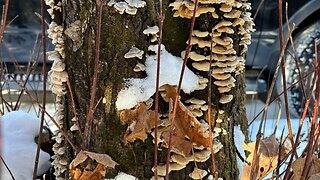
[85, 10]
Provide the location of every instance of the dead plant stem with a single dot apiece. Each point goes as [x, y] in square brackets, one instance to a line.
[89, 119]
[156, 115]
[254, 166]
[44, 95]
[176, 103]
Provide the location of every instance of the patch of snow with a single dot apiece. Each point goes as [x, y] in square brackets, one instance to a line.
[19, 130]
[139, 90]
[270, 125]
[239, 139]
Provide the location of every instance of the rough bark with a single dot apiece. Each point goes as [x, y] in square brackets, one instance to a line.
[119, 33]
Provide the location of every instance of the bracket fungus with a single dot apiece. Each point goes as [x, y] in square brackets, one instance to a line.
[58, 78]
[226, 98]
[139, 67]
[151, 30]
[134, 52]
[128, 6]
[198, 173]
[215, 42]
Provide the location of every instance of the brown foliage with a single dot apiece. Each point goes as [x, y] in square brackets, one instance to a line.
[186, 128]
[88, 159]
[298, 165]
[140, 122]
[267, 157]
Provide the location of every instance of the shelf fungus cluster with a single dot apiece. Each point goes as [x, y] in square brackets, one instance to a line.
[134, 52]
[216, 43]
[58, 77]
[127, 6]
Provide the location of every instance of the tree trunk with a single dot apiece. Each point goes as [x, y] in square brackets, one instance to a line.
[119, 34]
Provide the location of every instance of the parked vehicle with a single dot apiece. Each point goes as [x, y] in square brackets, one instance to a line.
[265, 48]
[21, 46]
[262, 56]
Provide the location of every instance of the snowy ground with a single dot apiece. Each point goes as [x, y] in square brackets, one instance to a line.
[19, 130]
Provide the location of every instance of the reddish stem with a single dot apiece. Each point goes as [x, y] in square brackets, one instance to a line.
[214, 166]
[179, 87]
[255, 163]
[311, 142]
[4, 20]
[89, 121]
[44, 69]
[74, 110]
[156, 116]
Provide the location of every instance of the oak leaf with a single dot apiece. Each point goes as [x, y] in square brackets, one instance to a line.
[187, 130]
[140, 122]
[298, 165]
[102, 162]
[267, 156]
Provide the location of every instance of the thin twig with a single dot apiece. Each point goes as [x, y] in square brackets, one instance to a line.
[44, 92]
[307, 163]
[156, 114]
[4, 20]
[89, 120]
[280, 94]
[296, 61]
[301, 122]
[254, 165]
[214, 166]
[7, 167]
[258, 9]
[279, 154]
[51, 118]
[283, 70]
[74, 110]
[24, 85]
[176, 104]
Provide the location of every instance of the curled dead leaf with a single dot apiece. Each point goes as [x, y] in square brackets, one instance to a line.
[267, 156]
[298, 165]
[140, 122]
[314, 177]
[91, 172]
[186, 128]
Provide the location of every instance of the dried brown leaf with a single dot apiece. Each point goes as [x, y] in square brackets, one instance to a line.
[103, 161]
[186, 128]
[298, 165]
[315, 177]
[80, 158]
[267, 155]
[246, 173]
[180, 145]
[93, 175]
[140, 122]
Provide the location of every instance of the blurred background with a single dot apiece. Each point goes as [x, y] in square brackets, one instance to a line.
[21, 55]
